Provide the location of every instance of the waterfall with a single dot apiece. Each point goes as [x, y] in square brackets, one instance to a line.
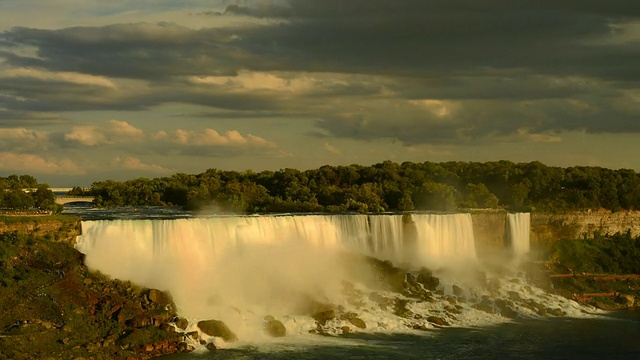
[519, 230]
[239, 269]
[442, 239]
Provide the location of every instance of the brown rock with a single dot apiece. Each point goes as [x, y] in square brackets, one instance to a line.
[217, 328]
[357, 322]
[275, 328]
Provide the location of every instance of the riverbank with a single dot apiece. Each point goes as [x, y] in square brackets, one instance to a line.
[53, 307]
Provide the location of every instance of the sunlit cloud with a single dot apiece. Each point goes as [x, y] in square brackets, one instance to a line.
[135, 164]
[111, 132]
[35, 164]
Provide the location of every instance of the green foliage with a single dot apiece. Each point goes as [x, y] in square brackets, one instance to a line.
[612, 254]
[386, 186]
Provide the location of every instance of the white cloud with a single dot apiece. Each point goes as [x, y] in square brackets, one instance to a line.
[111, 132]
[210, 137]
[22, 134]
[35, 164]
[131, 163]
[70, 77]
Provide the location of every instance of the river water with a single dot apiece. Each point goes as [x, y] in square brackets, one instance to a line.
[582, 333]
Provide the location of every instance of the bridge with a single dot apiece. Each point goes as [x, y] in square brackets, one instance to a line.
[74, 199]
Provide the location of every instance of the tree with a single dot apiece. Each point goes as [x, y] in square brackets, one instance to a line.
[435, 196]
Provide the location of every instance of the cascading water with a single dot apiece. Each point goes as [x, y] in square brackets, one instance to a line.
[443, 239]
[239, 269]
[519, 232]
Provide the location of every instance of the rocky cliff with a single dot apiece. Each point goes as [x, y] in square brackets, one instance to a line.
[546, 228]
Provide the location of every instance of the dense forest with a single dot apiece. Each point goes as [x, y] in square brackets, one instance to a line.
[382, 187]
[22, 192]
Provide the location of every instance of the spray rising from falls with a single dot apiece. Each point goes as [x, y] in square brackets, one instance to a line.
[239, 269]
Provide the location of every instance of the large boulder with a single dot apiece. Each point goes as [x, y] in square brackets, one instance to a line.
[217, 328]
[357, 322]
[426, 278]
[323, 316]
[437, 320]
[275, 328]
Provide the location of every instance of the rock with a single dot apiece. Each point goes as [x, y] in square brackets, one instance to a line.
[484, 305]
[625, 300]
[345, 329]
[514, 296]
[275, 328]
[184, 347]
[217, 328]
[182, 323]
[400, 308]
[509, 313]
[269, 318]
[457, 290]
[158, 297]
[323, 316]
[348, 316]
[193, 335]
[437, 320]
[211, 346]
[426, 278]
[357, 322]
[557, 312]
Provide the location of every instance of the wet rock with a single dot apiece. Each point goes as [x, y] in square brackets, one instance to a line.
[217, 328]
[193, 335]
[557, 312]
[323, 316]
[400, 308]
[211, 346]
[158, 297]
[182, 323]
[457, 290]
[484, 305]
[275, 328]
[357, 322]
[514, 296]
[426, 278]
[184, 347]
[345, 329]
[508, 313]
[437, 320]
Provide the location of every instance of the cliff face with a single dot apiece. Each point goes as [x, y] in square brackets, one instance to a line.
[546, 228]
[491, 230]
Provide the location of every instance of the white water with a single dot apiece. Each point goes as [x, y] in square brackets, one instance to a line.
[444, 239]
[519, 225]
[240, 268]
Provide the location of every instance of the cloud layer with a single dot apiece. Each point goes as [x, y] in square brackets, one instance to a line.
[417, 72]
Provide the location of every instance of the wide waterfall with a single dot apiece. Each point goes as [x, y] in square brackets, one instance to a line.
[519, 225]
[241, 269]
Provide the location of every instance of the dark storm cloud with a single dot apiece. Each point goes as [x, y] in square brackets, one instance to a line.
[503, 66]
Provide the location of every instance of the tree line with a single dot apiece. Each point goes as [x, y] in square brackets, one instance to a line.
[383, 187]
[22, 192]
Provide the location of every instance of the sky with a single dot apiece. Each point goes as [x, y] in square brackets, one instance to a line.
[93, 90]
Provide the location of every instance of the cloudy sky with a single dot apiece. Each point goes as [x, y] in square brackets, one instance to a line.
[92, 90]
